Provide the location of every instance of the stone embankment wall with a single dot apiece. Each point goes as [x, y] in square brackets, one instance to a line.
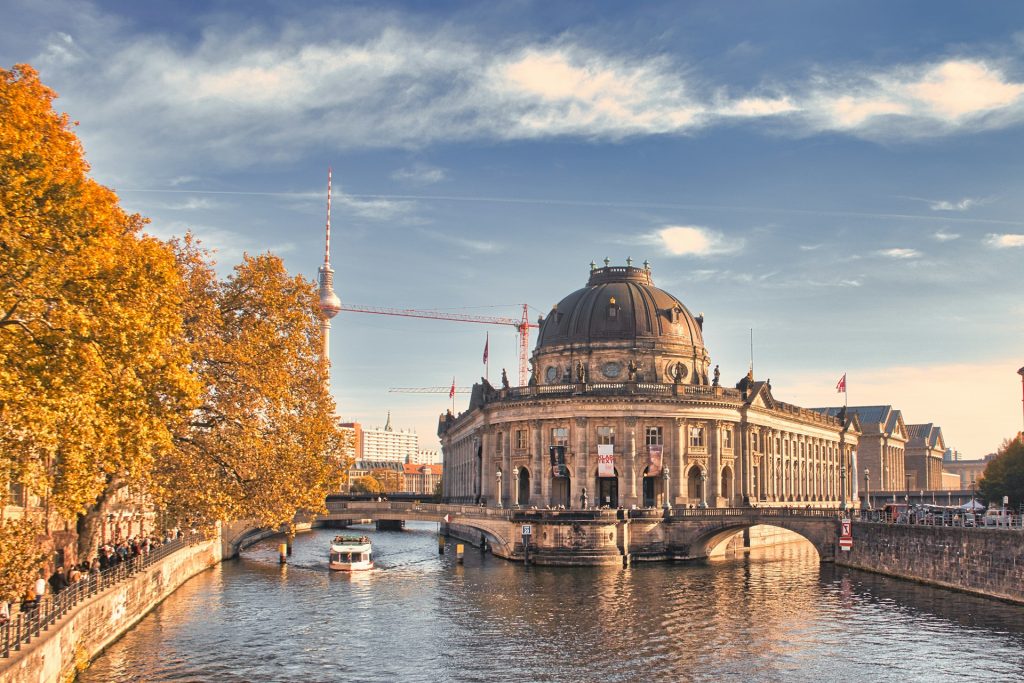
[985, 561]
[94, 624]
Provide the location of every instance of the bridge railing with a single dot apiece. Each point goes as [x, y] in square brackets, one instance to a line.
[357, 507]
[371, 508]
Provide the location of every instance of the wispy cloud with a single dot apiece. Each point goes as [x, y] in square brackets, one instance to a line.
[246, 97]
[961, 205]
[899, 253]
[478, 246]
[692, 240]
[419, 174]
[1005, 241]
[943, 236]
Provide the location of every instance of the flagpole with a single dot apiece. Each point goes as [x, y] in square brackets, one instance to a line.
[487, 357]
[846, 391]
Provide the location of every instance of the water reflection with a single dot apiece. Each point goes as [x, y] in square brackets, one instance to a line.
[773, 615]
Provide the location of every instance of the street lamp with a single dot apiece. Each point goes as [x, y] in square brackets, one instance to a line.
[497, 476]
[665, 481]
[703, 485]
[867, 486]
[515, 486]
[1021, 373]
[907, 499]
[842, 487]
[974, 492]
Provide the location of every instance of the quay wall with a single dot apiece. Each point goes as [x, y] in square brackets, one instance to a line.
[69, 645]
[987, 562]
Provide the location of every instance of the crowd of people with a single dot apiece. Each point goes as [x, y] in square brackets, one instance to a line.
[107, 556]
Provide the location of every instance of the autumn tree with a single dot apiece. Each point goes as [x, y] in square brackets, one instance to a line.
[1004, 476]
[93, 374]
[264, 442]
[367, 484]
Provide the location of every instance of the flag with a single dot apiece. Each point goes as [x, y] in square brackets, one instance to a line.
[451, 394]
[841, 385]
[487, 345]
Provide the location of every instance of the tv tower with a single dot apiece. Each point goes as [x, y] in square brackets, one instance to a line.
[330, 304]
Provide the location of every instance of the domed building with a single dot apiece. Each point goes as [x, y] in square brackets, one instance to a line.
[623, 409]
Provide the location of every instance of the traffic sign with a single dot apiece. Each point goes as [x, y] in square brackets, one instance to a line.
[847, 529]
[447, 519]
[527, 530]
[846, 543]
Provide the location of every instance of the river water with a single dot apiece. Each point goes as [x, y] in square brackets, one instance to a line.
[775, 615]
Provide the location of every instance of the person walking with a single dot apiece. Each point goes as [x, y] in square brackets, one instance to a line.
[40, 587]
[58, 581]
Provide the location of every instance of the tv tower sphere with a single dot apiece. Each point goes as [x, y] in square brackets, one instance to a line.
[330, 304]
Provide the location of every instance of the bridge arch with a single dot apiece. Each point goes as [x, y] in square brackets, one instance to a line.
[820, 533]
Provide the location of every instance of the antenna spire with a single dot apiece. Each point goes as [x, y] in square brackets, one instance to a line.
[327, 246]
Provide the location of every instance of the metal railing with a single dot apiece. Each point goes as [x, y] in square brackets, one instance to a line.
[966, 520]
[369, 508]
[29, 622]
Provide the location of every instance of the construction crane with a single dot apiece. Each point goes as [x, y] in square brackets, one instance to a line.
[428, 390]
[522, 326]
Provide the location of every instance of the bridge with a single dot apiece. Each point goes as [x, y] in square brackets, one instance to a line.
[587, 537]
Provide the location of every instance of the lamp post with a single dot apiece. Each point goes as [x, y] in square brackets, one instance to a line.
[974, 492]
[515, 486]
[842, 487]
[665, 482]
[1021, 373]
[867, 487]
[703, 485]
[907, 499]
[497, 476]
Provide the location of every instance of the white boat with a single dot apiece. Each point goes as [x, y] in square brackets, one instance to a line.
[351, 554]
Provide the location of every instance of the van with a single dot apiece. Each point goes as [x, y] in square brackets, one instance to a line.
[998, 517]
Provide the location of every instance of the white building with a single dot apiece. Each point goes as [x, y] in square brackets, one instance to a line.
[385, 444]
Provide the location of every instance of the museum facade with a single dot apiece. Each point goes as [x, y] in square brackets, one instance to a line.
[622, 409]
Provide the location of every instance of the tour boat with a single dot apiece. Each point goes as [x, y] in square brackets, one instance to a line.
[351, 554]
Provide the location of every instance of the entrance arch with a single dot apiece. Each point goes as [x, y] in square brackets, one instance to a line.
[607, 491]
[652, 489]
[561, 491]
[693, 484]
[523, 494]
[727, 484]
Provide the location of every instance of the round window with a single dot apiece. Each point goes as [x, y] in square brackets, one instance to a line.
[611, 369]
[551, 373]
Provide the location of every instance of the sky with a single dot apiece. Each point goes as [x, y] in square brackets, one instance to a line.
[843, 179]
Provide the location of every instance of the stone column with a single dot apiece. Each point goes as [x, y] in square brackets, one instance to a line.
[742, 449]
[715, 464]
[487, 482]
[630, 462]
[678, 460]
[581, 476]
[541, 475]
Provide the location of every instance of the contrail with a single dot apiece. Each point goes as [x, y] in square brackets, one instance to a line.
[604, 204]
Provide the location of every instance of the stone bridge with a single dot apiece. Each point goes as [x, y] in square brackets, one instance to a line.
[588, 537]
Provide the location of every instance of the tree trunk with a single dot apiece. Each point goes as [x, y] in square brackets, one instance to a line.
[89, 524]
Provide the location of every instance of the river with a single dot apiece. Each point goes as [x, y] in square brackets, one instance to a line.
[775, 615]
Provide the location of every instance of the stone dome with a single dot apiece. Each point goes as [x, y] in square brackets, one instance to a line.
[620, 327]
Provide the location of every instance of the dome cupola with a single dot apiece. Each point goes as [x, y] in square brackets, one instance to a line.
[620, 328]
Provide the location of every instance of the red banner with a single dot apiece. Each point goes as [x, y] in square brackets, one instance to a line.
[654, 454]
[605, 460]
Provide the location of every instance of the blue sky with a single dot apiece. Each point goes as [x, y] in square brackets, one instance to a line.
[841, 177]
